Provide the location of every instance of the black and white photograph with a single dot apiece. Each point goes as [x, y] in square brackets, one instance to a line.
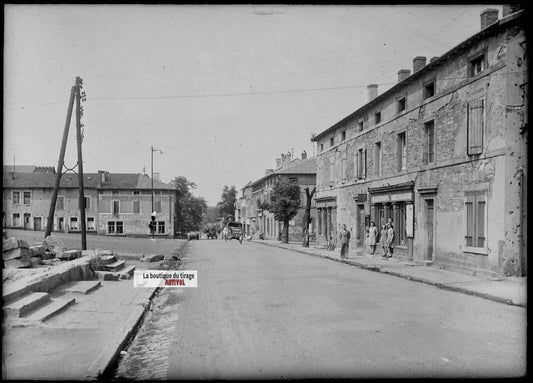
[264, 191]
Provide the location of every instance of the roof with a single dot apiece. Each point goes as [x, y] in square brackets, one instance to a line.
[427, 68]
[121, 181]
[307, 166]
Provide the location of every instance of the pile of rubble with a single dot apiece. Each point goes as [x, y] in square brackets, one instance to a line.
[17, 254]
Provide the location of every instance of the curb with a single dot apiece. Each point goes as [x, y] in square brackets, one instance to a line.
[378, 268]
[101, 366]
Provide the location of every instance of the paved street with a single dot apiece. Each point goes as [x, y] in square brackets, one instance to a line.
[262, 312]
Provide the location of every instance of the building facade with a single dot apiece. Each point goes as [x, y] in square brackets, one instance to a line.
[443, 153]
[115, 204]
[251, 208]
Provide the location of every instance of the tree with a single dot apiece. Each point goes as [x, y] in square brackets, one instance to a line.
[284, 204]
[226, 206]
[307, 216]
[188, 210]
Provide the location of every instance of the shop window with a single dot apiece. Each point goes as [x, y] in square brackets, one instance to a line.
[115, 227]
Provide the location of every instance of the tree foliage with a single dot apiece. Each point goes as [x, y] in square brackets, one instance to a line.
[226, 205]
[284, 204]
[189, 210]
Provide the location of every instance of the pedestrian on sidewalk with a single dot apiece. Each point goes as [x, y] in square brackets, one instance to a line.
[344, 237]
[383, 240]
[390, 239]
[372, 236]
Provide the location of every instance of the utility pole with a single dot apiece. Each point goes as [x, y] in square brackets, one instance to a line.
[75, 93]
[60, 163]
[79, 136]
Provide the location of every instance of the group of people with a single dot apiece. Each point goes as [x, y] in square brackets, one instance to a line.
[386, 237]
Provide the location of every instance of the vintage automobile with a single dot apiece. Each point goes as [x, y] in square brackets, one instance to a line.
[234, 230]
[211, 230]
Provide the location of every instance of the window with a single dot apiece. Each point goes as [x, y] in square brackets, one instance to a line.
[429, 89]
[429, 155]
[136, 192]
[293, 180]
[114, 192]
[74, 223]
[87, 203]
[16, 197]
[90, 223]
[361, 164]
[377, 117]
[343, 166]
[361, 126]
[399, 228]
[343, 135]
[475, 206]
[332, 170]
[477, 64]
[115, 227]
[60, 203]
[16, 220]
[331, 141]
[27, 198]
[115, 207]
[475, 126]
[157, 205]
[402, 102]
[161, 227]
[136, 206]
[402, 152]
[378, 159]
[322, 147]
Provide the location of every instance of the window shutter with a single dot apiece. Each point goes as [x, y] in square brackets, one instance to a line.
[364, 164]
[475, 127]
[356, 164]
[480, 224]
[469, 204]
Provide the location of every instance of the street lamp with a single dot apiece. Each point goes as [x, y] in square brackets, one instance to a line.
[152, 178]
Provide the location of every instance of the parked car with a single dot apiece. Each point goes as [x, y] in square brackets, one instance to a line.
[193, 235]
[211, 230]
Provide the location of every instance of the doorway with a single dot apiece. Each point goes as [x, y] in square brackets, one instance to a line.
[361, 225]
[430, 224]
[37, 223]
[27, 217]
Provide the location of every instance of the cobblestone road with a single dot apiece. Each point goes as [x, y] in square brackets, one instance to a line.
[147, 356]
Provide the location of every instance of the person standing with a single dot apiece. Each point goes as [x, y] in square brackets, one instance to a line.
[383, 240]
[372, 236]
[344, 236]
[390, 239]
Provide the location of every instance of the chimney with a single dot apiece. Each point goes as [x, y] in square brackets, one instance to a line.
[101, 178]
[433, 59]
[418, 63]
[372, 91]
[403, 74]
[278, 163]
[510, 8]
[488, 17]
[304, 155]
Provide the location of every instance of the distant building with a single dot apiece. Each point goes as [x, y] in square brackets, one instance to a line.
[443, 153]
[301, 171]
[115, 204]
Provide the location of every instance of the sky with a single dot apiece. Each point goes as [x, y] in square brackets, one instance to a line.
[222, 91]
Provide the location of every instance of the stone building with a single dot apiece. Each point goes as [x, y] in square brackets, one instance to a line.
[115, 204]
[301, 171]
[443, 153]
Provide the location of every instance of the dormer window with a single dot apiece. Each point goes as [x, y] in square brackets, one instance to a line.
[477, 64]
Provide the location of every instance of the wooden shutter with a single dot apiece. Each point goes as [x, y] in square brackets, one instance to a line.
[475, 127]
[364, 164]
[469, 205]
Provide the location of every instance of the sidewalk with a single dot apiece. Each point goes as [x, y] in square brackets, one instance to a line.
[511, 290]
[82, 341]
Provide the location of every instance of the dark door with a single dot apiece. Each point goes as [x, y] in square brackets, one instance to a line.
[430, 222]
[27, 217]
[37, 223]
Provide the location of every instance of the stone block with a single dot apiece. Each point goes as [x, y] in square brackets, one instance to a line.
[35, 261]
[69, 255]
[14, 243]
[47, 255]
[54, 245]
[111, 276]
[50, 262]
[15, 253]
[18, 263]
[37, 250]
